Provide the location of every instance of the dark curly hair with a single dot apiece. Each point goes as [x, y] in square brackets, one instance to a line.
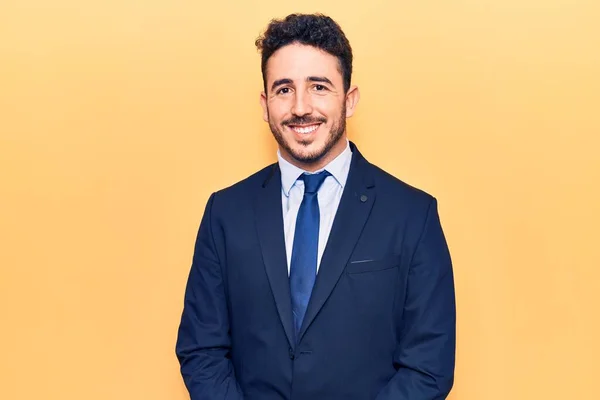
[315, 30]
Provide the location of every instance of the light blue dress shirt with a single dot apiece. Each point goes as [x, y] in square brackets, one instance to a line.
[329, 195]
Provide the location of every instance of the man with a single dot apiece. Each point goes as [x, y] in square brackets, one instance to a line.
[321, 276]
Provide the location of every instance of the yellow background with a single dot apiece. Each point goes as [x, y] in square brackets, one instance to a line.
[119, 118]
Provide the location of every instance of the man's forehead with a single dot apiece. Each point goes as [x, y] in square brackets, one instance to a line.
[299, 62]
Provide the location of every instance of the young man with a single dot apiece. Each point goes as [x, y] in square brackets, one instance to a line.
[321, 276]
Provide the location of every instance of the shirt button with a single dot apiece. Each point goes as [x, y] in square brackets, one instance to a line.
[292, 356]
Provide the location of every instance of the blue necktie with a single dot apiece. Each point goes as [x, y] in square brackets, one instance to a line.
[303, 266]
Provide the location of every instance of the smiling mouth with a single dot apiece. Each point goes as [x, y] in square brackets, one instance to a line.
[304, 129]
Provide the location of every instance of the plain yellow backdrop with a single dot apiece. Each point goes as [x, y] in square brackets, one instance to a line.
[119, 118]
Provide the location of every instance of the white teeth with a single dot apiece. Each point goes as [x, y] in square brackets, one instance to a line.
[309, 129]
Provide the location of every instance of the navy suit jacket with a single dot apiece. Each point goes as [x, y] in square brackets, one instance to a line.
[380, 323]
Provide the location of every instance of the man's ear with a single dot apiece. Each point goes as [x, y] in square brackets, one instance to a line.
[352, 98]
[263, 103]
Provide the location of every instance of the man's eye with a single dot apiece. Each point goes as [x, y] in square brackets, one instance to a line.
[283, 90]
[320, 87]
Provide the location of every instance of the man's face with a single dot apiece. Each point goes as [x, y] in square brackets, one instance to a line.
[305, 104]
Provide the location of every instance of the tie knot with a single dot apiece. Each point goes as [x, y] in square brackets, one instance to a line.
[312, 182]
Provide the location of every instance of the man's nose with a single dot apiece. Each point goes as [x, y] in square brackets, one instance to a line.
[302, 105]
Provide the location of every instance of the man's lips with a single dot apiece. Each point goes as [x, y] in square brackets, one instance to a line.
[305, 129]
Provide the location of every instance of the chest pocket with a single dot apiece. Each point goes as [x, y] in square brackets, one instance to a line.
[373, 265]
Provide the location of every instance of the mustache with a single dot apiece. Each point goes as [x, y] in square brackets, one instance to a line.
[304, 120]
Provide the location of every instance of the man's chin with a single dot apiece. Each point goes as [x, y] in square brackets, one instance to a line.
[306, 153]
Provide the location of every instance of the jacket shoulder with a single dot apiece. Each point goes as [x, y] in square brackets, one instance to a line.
[399, 189]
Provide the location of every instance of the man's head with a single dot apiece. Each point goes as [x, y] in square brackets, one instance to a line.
[307, 68]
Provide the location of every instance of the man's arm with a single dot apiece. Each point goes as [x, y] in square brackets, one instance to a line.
[425, 353]
[203, 342]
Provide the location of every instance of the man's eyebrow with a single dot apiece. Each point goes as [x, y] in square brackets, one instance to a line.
[279, 82]
[319, 79]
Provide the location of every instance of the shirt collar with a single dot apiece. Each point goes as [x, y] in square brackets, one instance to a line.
[338, 168]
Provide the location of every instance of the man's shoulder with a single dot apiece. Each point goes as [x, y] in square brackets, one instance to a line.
[397, 188]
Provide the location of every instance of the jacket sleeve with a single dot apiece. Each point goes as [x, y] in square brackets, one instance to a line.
[203, 343]
[425, 353]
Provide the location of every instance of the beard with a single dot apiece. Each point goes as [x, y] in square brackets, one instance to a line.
[335, 134]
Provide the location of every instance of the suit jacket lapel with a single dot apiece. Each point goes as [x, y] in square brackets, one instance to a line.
[269, 224]
[355, 206]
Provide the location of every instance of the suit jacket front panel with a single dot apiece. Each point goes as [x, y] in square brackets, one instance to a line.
[260, 348]
[353, 339]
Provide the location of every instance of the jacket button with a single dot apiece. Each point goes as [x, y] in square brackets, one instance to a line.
[291, 351]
